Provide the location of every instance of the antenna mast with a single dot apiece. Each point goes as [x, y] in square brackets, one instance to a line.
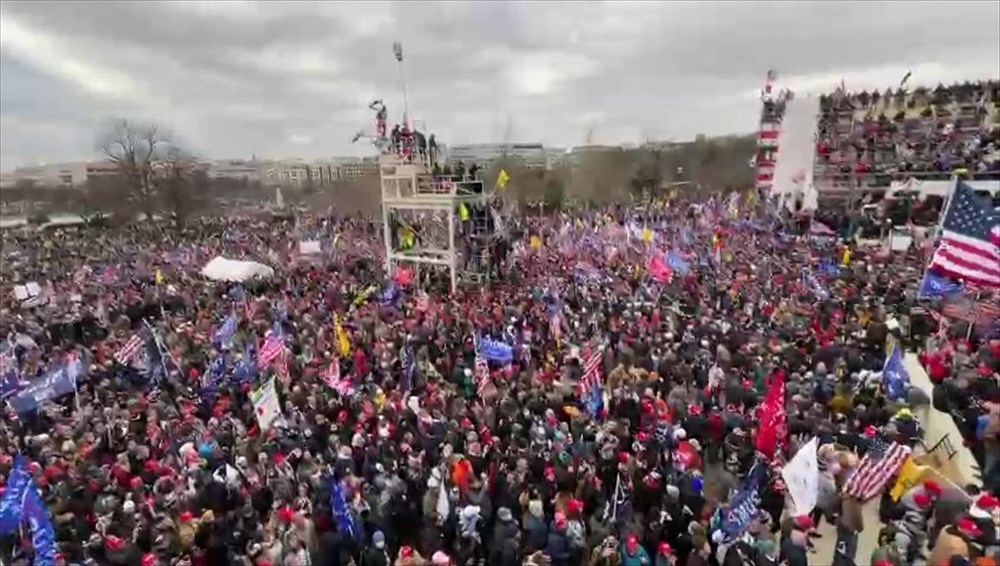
[397, 50]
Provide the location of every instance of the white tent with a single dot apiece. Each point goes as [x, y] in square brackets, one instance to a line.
[223, 269]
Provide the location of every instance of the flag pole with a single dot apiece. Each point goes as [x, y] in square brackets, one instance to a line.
[614, 505]
[949, 198]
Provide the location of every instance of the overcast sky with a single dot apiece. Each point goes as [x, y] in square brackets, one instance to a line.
[232, 79]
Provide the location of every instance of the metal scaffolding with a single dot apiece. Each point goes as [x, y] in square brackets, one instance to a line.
[426, 220]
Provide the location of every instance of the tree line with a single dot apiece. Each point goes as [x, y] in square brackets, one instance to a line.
[154, 175]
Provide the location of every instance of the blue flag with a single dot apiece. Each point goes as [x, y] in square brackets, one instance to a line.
[595, 401]
[390, 294]
[937, 287]
[894, 375]
[341, 512]
[22, 503]
[678, 263]
[828, 268]
[12, 503]
[226, 332]
[54, 384]
[43, 532]
[736, 517]
[408, 361]
[245, 370]
[814, 284]
[496, 351]
[212, 379]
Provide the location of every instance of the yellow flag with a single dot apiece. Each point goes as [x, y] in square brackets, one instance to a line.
[846, 260]
[159, 277]
[909, 475]
[343, 341]
[463, 212]
[536, 242]
[364, 295]
[647, 235]
[502, 179]
[409, 238]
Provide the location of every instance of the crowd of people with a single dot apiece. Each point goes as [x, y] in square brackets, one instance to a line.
[923, 133]
[637, 388]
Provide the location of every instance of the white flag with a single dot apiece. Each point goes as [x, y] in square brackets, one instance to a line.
[266, 405]
[443, 507]
[801, 477]
[310, 247]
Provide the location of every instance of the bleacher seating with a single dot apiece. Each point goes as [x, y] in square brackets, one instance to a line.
[869, 139]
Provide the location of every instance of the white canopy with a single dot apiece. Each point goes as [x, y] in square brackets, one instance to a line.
[223, 269]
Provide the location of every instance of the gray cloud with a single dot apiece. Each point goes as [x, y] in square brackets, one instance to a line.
[293, 78]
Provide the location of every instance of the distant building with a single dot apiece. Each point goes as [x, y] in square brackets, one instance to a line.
[69, 175]
[578, 153]
[352, 168]
[482, 154]
[287, 173]
[235, 169]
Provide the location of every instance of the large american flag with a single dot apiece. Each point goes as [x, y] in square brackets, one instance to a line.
[970, 245]
[481, 371]
[129, 350]
[274, 346]
[881, 462]
[983, 311]
[591, 373]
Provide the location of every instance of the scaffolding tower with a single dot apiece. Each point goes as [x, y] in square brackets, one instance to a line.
[435, 220]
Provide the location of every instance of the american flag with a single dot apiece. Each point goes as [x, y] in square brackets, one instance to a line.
[481, 372]
[274, 346]
[982, 312]
[970, 245]
[881, 462]
[129, 350]
[334, 380]
[591, 379]
[250, 308]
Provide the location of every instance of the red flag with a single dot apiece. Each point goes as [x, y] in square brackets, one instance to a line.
[659, 270]
[404, 276]
[773, 431]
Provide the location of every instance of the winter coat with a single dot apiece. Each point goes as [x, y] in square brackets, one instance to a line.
[557, 547]
[537, 534]
[505, 546]
[639, 558]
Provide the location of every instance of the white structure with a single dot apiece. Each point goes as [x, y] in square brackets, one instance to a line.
[57, 175]
[291, 173]
[483, 154]
[794, 164]
[431, 206]
[354, 168]
[235, 169]
[579, 153]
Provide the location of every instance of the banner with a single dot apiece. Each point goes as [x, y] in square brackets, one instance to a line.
[496, 351]
[266, 405]
[12, 502]
[53, 385]
[736, 517]
[773, 419]
[801, 477]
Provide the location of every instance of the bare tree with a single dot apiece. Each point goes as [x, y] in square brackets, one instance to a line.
[134, 148]
[106, 194]
[180, 184]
